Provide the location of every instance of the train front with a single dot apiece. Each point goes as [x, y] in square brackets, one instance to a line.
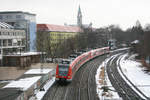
[63, 72]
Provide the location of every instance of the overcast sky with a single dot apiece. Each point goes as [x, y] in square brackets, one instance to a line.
[99, 12]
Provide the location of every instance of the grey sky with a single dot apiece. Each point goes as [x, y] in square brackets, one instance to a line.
[99, 12]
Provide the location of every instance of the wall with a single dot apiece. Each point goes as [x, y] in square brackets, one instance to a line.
[21, 61]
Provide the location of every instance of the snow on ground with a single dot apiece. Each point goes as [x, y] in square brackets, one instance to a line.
[135, 72]
[38, 71]
[119, 49]
[24, 83]
[40, 94]
[110, 94]
[30, 53]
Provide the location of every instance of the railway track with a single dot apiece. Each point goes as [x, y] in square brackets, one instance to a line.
[122, 87]
[84, 82]
[82, 87]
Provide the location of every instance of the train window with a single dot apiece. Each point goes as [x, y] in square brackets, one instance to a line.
[63, 69]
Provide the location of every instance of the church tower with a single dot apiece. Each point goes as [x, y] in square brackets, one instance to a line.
[79, 17]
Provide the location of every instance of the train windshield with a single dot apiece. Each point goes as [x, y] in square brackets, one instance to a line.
[63, 69]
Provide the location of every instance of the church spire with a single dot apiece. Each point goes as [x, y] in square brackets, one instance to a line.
[79, 10]
[79, 17]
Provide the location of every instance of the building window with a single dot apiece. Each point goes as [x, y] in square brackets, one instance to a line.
[4, 33]
[1, 17]
[0, 42]
[9, 42]
[4, 42]
[19, 43]
[8, 16]
[18, 16]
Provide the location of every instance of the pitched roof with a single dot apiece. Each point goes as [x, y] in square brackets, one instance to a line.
[58, 28]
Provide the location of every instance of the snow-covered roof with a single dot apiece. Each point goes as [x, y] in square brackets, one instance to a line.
[112, 40]
[23, 84]
[135, 42]
[25, 54]
[38, 71]
[30, 53]
[16, 12]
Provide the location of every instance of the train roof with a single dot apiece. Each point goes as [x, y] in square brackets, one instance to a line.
[76, 59]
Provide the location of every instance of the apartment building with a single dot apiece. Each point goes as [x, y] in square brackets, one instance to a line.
[57, 32]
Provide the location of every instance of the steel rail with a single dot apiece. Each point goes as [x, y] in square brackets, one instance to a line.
[123, 89]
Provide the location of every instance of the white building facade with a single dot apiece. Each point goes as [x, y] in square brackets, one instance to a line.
[11, 40]
[22, 20]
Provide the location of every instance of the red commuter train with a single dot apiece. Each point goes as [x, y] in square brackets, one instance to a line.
[67, 71]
